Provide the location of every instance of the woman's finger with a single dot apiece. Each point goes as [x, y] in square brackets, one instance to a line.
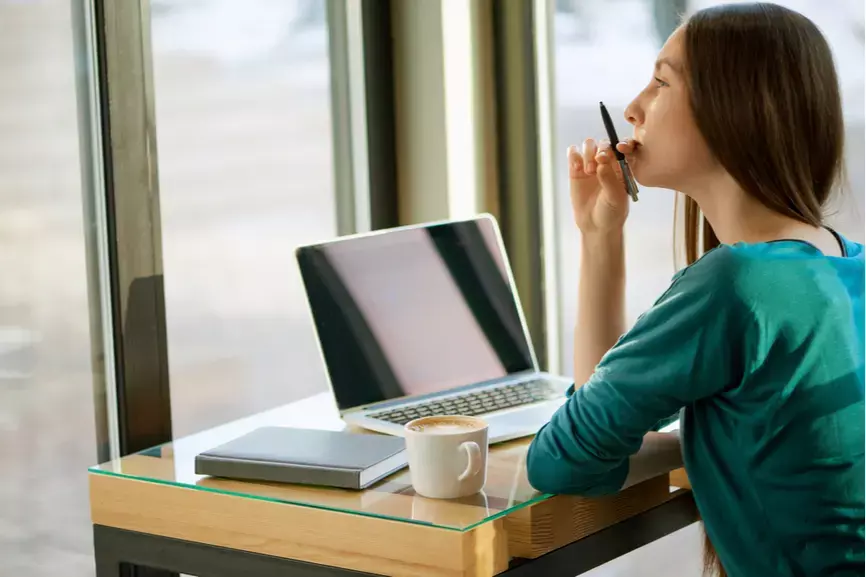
[610, 177]
[627, 146]
[607, 164]
[606, 159]
[575, 163]
[589, 150]
[604, 154]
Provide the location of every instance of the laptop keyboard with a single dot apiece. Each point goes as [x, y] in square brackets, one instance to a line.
[475, 402]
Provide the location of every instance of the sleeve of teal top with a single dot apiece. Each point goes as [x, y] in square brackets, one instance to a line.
[678, 352]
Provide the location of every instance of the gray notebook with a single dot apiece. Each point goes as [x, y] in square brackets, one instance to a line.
[306, 456]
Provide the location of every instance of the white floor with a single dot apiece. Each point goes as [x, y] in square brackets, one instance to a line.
[677, 555]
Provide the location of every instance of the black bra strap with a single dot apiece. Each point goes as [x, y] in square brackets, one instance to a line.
[838, 238]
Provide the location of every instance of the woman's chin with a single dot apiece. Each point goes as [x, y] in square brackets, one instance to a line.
[641, 176]
[649, 179]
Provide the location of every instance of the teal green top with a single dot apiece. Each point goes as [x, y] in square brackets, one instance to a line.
[762, 347]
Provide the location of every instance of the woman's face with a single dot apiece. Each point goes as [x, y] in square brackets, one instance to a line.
[671, 152]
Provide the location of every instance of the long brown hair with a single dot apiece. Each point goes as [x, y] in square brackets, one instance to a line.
[765, 97]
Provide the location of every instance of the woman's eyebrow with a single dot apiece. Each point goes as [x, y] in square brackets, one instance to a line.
[671, 64]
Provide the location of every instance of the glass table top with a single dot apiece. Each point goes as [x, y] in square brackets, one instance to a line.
[507, 487]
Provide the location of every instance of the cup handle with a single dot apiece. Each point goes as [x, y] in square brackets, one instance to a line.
[473, 451]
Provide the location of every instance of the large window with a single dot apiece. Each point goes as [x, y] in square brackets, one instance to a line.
[47, 432]
[242, 93]
[605, 51]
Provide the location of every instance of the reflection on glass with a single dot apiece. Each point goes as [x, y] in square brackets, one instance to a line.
[47, 432]
[244, 140]
[605, 51]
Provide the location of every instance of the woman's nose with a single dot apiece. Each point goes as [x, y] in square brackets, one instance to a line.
[633, 113]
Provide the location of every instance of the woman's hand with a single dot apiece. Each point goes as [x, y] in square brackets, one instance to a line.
[598, 194]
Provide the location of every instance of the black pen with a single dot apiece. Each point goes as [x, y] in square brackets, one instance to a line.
[630, 184]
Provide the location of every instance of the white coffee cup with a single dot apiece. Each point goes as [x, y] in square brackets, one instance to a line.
[447, 455]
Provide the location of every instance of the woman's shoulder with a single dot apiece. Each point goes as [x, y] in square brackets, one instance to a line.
[706, 288]
[719, 271]
[852, 248]
[782, 257]
[761, 275]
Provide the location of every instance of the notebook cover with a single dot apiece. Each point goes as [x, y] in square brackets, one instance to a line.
[303, 456]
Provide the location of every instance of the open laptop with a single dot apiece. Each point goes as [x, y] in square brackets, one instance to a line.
[425, 320]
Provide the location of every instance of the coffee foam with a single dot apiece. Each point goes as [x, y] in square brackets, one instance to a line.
[445, 425]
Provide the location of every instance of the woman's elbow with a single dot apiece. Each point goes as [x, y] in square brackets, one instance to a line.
[550, 473]
[541, 472]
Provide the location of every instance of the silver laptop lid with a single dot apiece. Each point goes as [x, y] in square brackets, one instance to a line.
[415, 310]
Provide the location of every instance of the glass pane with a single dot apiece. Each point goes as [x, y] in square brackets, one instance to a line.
[245, 167]
[506, 490]
[583, 56]
[46, 389]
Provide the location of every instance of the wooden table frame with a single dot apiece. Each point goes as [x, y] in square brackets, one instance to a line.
[120, 552]
[150, 510]
[161, 529]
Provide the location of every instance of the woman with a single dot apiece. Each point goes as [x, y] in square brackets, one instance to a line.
[759, 340]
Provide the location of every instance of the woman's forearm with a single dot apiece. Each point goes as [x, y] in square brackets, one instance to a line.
[600, 302]
[659, 454]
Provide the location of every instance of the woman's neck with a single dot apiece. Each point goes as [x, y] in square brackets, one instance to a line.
[736, 216]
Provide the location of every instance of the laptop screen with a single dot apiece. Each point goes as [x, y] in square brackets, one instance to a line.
[414, 311]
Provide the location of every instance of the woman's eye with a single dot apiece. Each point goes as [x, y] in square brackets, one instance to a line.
[660, 82]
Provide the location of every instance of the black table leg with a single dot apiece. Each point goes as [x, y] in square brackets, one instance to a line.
[108, 550]
[106, 566]
[121, 553]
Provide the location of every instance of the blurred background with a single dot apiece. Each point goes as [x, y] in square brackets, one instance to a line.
[248, 141]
